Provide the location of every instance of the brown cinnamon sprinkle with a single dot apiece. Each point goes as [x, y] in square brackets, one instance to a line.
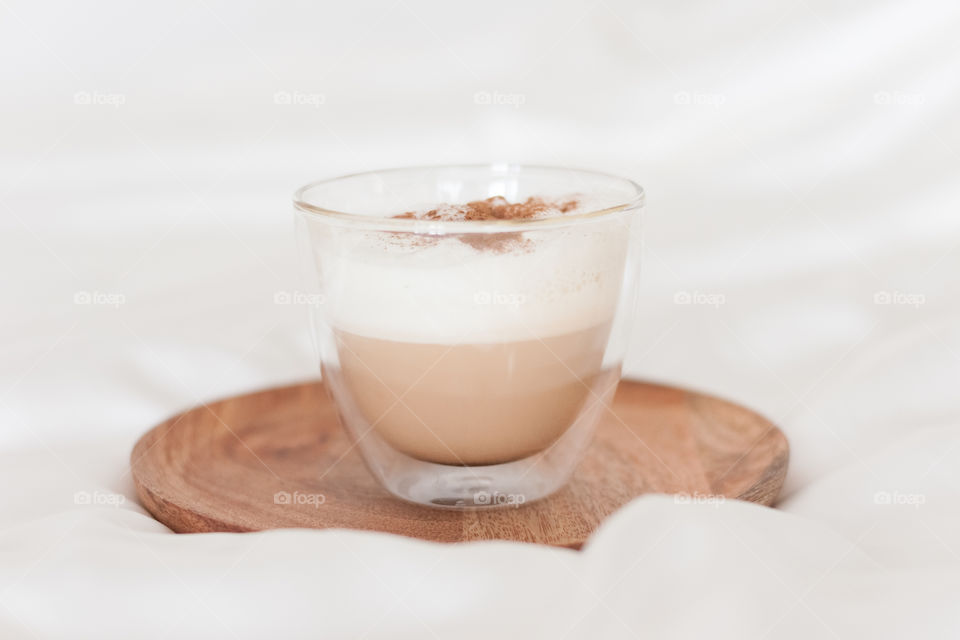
[495, 208]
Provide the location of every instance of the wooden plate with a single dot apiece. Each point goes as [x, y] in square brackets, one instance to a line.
[278, 458]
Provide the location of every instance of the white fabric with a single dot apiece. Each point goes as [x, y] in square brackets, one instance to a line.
[800, 160]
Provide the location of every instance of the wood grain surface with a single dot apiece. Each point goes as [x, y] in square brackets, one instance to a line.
[228, 465]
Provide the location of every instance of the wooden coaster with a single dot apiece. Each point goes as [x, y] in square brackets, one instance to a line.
[278, 458]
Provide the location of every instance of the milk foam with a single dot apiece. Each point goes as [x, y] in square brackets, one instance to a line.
[440, 290]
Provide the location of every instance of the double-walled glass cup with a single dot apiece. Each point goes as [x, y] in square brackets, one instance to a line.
[470, 360]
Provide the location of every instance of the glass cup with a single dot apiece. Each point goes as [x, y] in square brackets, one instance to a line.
[470, 360]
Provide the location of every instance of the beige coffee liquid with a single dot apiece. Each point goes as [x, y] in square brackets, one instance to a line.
[472, 404]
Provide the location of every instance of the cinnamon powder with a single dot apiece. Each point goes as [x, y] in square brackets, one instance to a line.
[495, 208]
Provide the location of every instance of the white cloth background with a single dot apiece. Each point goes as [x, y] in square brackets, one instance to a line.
[800, 159]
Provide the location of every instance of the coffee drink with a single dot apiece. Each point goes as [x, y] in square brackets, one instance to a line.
[473, 404]
[472, 349]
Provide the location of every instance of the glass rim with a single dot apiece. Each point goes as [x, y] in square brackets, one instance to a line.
[634, 202]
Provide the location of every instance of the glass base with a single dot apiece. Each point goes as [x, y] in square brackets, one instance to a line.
[477, 487]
